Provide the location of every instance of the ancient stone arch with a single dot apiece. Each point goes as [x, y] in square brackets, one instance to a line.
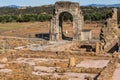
[72, 8]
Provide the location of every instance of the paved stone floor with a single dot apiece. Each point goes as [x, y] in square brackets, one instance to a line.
[93, 63]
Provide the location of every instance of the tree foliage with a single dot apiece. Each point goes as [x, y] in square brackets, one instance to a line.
[25, 18]
[44, 13]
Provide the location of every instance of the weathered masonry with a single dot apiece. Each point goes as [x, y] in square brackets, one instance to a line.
[73, 8]
[108, 35]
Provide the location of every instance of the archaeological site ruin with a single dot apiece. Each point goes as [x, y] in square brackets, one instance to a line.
[56, 32]
[79, 58]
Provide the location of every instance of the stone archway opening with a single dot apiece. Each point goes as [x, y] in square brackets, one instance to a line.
[78, 20]
[66, 25]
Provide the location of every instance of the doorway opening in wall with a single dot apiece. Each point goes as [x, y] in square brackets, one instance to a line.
[66, 26]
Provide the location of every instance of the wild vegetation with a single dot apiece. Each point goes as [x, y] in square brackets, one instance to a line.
[44, 13]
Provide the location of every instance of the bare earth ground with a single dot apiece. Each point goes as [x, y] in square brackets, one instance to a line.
[30, 29]
[26, 29]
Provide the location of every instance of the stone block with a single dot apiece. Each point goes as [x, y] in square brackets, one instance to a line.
[71, 62]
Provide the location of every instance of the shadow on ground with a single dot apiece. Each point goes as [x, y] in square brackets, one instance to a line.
[66, 38]
[46, 36]
[43, 36]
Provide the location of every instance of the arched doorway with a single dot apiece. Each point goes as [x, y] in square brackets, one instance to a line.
[66, 26]
[56, 28]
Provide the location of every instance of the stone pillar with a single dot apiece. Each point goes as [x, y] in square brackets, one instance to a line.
[114, 15]
[71, 62]
[97, 47]
[51, 30]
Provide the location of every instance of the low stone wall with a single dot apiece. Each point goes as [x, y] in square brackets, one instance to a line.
[108, 71]
[60, 47]
[11, 43]
[63, 54]
[19, 72]
[13, 55]
[24, 72]
[79, 70]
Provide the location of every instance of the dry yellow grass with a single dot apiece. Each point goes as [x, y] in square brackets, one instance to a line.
[33, 28]
[11, 26]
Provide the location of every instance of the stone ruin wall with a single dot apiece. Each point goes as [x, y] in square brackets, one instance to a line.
[108, 71]
[64, 66]
[56, 22]
[67, 5]
[11, 43]
[108, 35]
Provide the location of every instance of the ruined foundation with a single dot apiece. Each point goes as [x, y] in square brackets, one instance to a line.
[27, 59]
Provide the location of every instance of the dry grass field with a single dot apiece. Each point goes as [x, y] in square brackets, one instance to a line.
[24, 29]
[31, 29]
[11, 26]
